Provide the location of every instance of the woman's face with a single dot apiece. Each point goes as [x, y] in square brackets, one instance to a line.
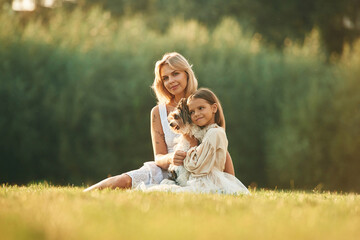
[175, 81]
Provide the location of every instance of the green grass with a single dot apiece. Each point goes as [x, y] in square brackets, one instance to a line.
[49, 212]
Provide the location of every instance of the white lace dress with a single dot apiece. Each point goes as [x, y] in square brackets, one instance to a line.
[206, 164]
[150, 173]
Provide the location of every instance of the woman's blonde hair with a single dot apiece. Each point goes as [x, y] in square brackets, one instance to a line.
[210, 97]
[177, 62]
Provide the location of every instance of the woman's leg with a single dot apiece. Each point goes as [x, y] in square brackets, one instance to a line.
[122, 181]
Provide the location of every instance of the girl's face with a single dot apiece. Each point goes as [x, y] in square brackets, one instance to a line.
[175, 81]
[202, 113]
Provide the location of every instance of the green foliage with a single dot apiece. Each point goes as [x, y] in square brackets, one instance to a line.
[275, 20]
[316, 132]
[76, 99]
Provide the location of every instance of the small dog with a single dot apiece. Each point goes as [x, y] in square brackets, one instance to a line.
[180, 122]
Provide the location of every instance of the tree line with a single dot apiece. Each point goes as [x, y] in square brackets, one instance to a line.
[75, 99]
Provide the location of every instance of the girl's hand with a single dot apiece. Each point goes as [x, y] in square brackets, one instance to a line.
[178, 158]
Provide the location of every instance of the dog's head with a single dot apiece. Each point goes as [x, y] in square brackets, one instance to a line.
[180, 118]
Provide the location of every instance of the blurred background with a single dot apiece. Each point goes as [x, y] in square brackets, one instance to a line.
[75, 78]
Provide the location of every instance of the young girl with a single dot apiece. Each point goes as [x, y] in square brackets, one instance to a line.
[206, 162]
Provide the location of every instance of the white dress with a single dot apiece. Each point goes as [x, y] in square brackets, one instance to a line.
[150, 173]
[206, 164]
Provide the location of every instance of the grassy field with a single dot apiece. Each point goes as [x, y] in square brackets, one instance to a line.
[49, 212]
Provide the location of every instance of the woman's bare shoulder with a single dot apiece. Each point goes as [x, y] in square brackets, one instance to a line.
[155, 118]
[155, 110]
[155, 113]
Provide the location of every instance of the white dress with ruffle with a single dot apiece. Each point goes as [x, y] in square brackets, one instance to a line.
[150, 173]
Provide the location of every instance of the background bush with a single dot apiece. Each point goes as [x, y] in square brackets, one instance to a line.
[76, 98]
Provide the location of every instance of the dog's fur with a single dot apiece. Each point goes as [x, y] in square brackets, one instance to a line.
[180, 122]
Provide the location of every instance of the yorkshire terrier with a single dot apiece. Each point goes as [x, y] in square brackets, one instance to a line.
[180, 122]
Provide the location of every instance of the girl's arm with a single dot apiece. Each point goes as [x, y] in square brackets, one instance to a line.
[212, 151]
[161, 155]
[229, 166]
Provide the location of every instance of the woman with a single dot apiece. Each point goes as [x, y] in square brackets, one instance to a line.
[174, 79]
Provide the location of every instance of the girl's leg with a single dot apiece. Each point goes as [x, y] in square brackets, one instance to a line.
[122, 181]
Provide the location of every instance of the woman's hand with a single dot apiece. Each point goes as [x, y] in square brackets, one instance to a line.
[178, 158]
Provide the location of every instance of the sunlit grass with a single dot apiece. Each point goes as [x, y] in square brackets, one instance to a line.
[48, 212]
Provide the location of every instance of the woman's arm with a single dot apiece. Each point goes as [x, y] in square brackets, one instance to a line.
[161, 155]
[229, 166]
